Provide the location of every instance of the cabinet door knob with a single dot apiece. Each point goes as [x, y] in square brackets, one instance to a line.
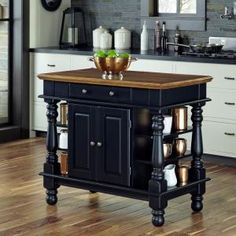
[111, 93]
[99, 144]
[229, 134]
[84, 91]
[92, 144]
[230, 103]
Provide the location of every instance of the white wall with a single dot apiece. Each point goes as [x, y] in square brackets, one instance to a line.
[45, 25]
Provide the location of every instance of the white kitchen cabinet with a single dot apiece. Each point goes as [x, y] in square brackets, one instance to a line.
[219, 126]
[219, 138]
[152, 66]
[43, 63]
[224, 75]
[80, 62]
[39, 119]
[223, 104]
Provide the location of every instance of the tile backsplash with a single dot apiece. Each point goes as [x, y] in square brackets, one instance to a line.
[113, 14]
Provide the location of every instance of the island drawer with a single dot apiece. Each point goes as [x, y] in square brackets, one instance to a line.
[100, 93]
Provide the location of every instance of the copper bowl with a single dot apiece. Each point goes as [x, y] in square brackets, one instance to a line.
[112, 67]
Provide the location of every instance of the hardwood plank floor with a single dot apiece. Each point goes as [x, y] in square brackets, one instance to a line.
[23, 210]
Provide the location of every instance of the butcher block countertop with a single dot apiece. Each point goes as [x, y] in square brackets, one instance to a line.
[132, 79]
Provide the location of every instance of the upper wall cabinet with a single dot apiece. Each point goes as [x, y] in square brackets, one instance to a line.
[184, 14]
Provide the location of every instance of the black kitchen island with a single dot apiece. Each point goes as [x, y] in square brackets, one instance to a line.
[103, 124]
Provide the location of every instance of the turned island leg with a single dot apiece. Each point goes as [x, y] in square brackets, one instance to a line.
[197, 171]
[51, 166]
[157, 183]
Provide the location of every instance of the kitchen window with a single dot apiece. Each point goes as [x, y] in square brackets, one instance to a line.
[176, 7]
[5, 29]
[14, 67]
[184, 14]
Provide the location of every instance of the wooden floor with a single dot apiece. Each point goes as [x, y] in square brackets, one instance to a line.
[23, 210]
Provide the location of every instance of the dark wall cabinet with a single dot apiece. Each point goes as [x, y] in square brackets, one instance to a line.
[99, 143]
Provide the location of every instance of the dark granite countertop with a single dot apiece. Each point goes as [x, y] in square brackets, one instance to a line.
[151, 55]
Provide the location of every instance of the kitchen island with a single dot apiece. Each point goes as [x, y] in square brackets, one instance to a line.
[105, 120]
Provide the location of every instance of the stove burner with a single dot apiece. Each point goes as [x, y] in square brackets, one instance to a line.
[222, 55]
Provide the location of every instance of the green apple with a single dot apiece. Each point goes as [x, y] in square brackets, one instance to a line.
[100, 53]
[124, 55]
[112, 54]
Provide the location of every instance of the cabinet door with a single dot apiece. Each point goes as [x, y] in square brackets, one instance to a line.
[152, 66]
[81, 141]
[81, 62]
[113, 146]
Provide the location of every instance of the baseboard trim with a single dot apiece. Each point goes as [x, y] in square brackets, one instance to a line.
[220, 160]
[41, 134]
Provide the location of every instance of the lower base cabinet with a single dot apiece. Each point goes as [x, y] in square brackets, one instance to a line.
[219, 138]
[99, 143]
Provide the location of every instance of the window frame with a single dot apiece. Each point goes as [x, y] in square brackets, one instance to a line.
[18, 69]
[193, 22]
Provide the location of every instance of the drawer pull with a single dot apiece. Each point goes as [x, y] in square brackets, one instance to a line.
[84, 91]
[229, 78]
[230, 103]
[229, 134]
[92, 144]
[51, 65]
[111, 93]
[99, 144]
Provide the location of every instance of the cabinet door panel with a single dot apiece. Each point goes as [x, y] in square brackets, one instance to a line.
[152, 66]
[113, 160]
[80, 135]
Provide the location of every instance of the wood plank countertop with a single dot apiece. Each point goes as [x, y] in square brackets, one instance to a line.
[132, 79]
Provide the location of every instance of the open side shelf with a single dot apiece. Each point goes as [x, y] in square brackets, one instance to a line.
[167, 161]
[175, 134]
[121, 190]
[61, 125]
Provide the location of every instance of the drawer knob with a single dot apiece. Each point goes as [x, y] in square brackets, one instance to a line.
[229, 78]
[99, 144]
[230, 103]
[92, 144]
[111, 93]
[84, 91]
[229, 134]
[51, 65]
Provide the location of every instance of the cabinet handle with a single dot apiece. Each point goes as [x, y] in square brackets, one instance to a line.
[229, 134]
[51, 65]
[229, 78]
[84, 91]
[230, 103]
[99, 144]
[111, 93]
[92, 144]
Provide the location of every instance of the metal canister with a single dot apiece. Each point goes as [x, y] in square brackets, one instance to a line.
[64, 113]
[180, 115]
[64, 163]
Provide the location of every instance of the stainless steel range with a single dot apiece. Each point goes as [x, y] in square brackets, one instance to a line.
[222, 55]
